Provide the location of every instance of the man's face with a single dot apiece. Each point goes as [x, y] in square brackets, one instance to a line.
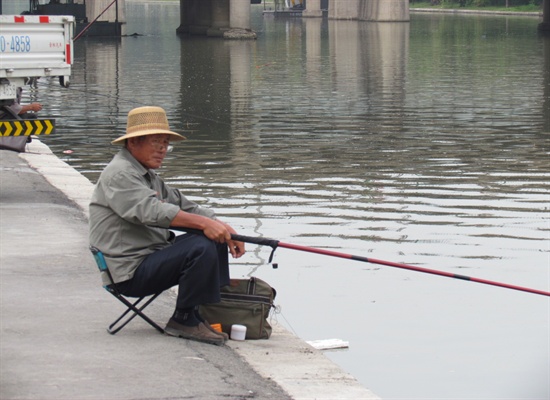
[149, 150]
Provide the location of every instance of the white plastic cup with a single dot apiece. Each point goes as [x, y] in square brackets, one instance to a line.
[238, 332]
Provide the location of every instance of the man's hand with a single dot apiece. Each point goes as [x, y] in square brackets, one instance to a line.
[235, 248]
[215, 230]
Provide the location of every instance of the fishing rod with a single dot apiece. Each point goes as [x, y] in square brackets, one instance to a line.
[274, 244]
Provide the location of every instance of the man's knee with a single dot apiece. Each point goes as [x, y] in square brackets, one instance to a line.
[201, 247]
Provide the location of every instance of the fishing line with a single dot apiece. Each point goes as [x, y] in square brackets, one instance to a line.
[135, 102]
[93, 22]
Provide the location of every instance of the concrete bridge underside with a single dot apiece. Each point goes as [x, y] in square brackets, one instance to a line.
[362, 10]
[222, 17]
[231, 18]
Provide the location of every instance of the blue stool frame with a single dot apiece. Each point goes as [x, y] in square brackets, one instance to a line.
[133, 308]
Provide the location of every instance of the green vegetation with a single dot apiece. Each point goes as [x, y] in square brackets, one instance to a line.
[493, 5]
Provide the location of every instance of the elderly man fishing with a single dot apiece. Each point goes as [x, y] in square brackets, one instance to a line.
[130, 212]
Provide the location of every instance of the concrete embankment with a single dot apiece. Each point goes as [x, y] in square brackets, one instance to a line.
[53, 315]
[474, 12]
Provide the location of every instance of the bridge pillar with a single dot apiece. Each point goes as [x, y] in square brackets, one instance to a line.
[227, 18]
[313, 9]
[545, 24]
[385, 10]
[184, 18]
[239, 14]
[369, 10]
[115, 13]
[219, 13]
[195, 17]
[343, 9]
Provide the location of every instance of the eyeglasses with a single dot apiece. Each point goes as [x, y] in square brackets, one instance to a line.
[161, 144]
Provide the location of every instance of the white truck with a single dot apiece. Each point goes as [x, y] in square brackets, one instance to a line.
[31, 46]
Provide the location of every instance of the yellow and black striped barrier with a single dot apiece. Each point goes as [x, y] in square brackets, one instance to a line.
[26, 127]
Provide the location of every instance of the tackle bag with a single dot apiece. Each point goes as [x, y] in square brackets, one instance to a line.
[245, 302]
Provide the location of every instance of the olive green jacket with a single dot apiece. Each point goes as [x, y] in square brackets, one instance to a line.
[130, 211]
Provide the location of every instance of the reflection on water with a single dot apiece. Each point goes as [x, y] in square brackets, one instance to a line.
[425, 143]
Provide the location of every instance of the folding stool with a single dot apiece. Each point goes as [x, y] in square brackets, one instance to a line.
[132, 308]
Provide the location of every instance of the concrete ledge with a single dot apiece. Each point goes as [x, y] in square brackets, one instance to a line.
[301, 370]
[59, 174]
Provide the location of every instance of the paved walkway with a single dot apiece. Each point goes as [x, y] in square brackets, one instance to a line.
[53, 315]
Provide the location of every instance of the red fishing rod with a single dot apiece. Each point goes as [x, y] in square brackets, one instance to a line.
[274, 244]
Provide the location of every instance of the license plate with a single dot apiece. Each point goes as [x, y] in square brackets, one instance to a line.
[8, 92]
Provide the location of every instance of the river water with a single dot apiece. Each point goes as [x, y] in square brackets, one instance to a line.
[424, 143]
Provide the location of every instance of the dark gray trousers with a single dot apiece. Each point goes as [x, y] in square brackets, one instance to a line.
[197, 265]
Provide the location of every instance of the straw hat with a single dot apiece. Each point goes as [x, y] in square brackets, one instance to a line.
[147, 121]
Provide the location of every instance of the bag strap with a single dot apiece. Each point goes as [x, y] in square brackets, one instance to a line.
[251, 289]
